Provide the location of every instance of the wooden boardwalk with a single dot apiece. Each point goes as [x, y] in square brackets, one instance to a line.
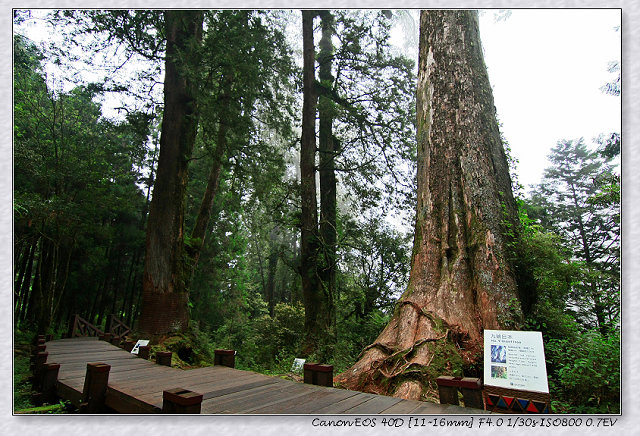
[136, 386]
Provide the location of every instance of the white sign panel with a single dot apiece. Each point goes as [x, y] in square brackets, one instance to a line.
[297, 365]
[140, 343]
[515, 360]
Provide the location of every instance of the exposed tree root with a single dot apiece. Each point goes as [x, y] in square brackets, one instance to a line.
[396, 372]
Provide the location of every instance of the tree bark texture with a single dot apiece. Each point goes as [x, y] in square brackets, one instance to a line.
[164, 295]
[318, 306]
[461, 281]
[328, 204]
[309, 210]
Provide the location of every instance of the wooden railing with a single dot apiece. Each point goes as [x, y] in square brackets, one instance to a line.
[117, 328]
[81, 327]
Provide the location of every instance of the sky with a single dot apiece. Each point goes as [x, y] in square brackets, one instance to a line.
[546, 67]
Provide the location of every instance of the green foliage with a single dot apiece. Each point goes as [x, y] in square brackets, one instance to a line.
[583, 365]
[21, 386]
[354, 334]
[586, 218]
[375, 120]
[281, 336]
[585, 373]
[77, 207]
[263, 343]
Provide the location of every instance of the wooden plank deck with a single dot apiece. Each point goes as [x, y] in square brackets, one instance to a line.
[135, 386]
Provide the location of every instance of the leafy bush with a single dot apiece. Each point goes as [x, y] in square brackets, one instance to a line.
[263, 343]
[585, 376]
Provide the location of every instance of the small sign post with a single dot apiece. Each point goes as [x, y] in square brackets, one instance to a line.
[140, 343]
[297, 365]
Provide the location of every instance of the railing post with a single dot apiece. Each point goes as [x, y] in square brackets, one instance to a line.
[95, 387]
[318, 374]
[180, 400]
[39, 361]
[72, 326]
[470, 387]
[225, 358]
[109, 323]
[143, 351]
[472, 393]
[40, 348]
[447, 390]
[308, 373]
[37, 369]
[163, 358]
[324, 375]
[49, 380]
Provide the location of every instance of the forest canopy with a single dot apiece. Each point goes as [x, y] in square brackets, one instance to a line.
[294, 184]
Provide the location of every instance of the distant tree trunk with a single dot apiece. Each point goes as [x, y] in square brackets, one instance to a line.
[461, 281]
[24, 284]
[20, 261]
[272, 265]
[311, 287]
[199, 231]
[326, 152]
[130, 284]
[45, 284]
[164, 297]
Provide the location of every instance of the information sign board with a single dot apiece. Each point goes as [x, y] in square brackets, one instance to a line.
[140, 343]
[297, 365]
[515, 360]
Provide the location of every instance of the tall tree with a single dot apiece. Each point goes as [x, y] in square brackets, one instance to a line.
[569, 204]
[75, 195]
[315, 303]
[328, 203]
[364, 98]
[164, 296]
[244, 91]
[461, 281]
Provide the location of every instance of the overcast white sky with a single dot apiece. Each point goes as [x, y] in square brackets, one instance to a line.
[546, 67]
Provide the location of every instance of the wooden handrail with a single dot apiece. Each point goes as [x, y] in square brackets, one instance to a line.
[117, 328]
[82, 327]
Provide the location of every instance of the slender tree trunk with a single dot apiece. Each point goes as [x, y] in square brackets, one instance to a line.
[272, 265]
[326, 151]
[127, 302]
[116, 283]
[32, 307]
[20, 261]
[461, 281]
[318, 327]
[45, 279]
[24, 283]
[199, 231]
[164, 295]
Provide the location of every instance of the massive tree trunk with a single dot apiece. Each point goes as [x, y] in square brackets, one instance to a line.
[164, 297]
[461, 281]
